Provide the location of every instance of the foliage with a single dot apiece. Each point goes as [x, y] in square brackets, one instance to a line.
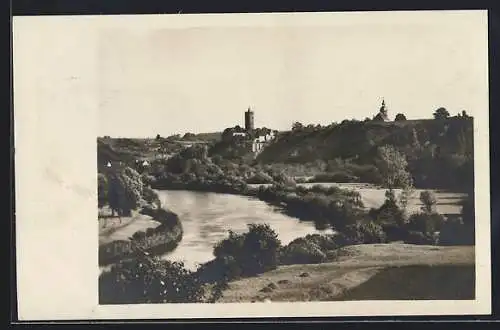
[419, 238]
[149, 280]
[302, 251]
[256, 251]
[338, 177]
[468, 210]
[441, 113]
[427, 223]
[455, 232]
[296, 126]
[365, 233]
[260, 178]
[428, 199]
[400, 117]
[393, 166]
[125, 190]
[102, 190]
[151, 196]
[311, 249]
[389, 212]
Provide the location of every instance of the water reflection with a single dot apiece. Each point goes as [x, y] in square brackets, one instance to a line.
[207, 217]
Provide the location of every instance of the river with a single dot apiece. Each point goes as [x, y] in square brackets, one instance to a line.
[207, 218]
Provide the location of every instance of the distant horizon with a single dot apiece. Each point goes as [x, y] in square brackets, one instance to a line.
[272, 128]
[201, 79]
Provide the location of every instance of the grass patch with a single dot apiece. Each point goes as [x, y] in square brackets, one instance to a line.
[423, 282]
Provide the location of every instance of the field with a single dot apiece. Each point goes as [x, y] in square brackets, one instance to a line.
[368, 272]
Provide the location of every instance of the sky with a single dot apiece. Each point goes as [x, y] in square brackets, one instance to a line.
[165, 80]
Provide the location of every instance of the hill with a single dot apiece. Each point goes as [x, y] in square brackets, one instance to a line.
[438, 151]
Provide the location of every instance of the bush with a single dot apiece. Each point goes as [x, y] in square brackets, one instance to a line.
[150, 231]
[468, 211]
[419, 238]
[151, 196]
[389, 212]
[139, 235]
[395, 232]
[340, 177]
[365, 233]
[255, 251]
[425, 222]
[260, 178]
[428, 200]
[302, 251]
[125, 189]
[102, 190]
[455, 232]
[149, 280]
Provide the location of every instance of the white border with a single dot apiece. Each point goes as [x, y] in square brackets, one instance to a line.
[56, 124]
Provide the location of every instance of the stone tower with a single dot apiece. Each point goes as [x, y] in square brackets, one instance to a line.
[249, 124]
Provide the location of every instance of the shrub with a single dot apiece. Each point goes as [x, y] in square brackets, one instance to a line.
[260, 178]
[468, 211]
[419, 238]
[455, 232]
[125, 190]
[151, 196]
[339, 176]
[102, 190]
[428, 200]
[149, 280]
[395, 232]
[365, 233]
[139, 235]
[221, 269]
[148, 179]
[256, 251]
[427, 223]
[302, 251]
[389, 212]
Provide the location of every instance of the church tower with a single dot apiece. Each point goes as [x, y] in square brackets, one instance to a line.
[383, 109]
[382, 114]
[249, 120]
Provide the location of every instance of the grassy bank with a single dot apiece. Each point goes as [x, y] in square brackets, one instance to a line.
[363, 272]
[160, 232]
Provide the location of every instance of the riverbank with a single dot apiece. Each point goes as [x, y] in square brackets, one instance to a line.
[149, 229]
[369, 271]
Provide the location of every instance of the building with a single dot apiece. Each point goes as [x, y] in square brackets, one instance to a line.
[249, 120]
[382, 114]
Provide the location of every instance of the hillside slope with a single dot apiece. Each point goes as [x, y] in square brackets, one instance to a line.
[438, 151]
[399, 271]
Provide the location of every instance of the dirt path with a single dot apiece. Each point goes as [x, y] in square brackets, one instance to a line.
[330, 281]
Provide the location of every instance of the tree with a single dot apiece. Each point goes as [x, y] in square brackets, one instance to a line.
[441, 113]
[400, 117]
[428, 200]
[158, 137]
[297, 126]
[393, 167]
[102, 190]
[379, 117]
[125, 189]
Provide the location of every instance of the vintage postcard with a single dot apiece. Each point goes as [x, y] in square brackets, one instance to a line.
[252, 165]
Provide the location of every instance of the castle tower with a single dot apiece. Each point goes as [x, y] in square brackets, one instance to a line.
[249, 123]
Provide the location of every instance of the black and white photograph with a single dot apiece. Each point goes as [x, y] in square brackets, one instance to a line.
[254, 164]
[280, 159]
